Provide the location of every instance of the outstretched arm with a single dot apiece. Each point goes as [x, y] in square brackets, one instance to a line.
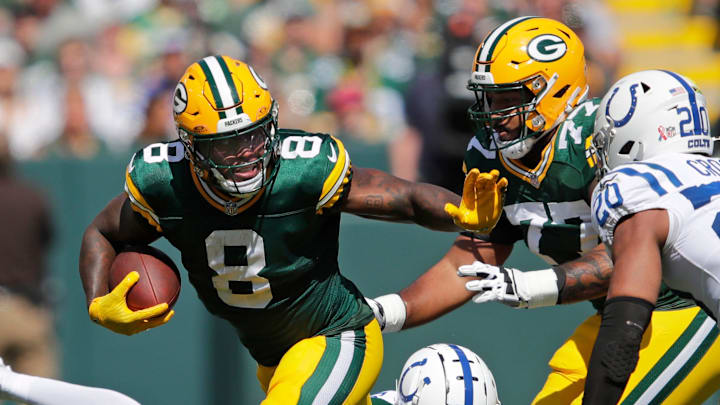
[378, 195]
[578, 280]
[439, 290]
[375, 194]
[633, 291]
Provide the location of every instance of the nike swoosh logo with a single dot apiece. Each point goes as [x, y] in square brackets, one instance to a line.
[333, 156]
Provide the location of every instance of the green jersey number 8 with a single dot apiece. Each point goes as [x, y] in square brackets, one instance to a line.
[237, 256]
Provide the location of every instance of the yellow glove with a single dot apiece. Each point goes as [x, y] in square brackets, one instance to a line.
[481, 203]
[112, 312]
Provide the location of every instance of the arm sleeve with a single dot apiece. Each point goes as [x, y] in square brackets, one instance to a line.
[615, 353]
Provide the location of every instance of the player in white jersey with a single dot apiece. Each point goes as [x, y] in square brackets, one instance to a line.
[655, 211]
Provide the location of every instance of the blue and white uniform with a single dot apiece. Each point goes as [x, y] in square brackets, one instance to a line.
[686, 186]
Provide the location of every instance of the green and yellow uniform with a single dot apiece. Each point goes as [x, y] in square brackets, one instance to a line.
[268, 264]
[547, 207]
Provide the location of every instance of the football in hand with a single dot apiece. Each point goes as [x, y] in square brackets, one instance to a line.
[159, 277]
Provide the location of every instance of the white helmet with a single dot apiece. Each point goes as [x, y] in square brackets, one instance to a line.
[649, 113]
[446, 374]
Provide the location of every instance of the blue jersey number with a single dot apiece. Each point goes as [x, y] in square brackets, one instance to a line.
[609, 198]
[701, 195]
[702, 126]
[698, 196]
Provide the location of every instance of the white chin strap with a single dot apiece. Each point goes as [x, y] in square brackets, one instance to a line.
[516, 150]
[245, 188]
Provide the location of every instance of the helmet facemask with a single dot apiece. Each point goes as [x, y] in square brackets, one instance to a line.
[599, 149]
[240, 162]
[490, 121]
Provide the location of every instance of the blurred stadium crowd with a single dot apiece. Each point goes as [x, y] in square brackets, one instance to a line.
[85, 77]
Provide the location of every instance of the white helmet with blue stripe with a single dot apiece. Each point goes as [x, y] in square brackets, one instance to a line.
[446, 374]
[650, 113]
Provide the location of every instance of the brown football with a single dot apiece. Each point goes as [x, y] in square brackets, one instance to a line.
[159, 277]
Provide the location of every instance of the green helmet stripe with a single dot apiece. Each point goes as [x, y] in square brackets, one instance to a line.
[229, 80]
[213, 86]
[493, 39]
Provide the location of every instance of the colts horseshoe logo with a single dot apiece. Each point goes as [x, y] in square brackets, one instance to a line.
[633, 103]
[408, 397]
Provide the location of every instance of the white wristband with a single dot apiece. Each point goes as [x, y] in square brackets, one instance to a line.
[541, 288]
[394, 310]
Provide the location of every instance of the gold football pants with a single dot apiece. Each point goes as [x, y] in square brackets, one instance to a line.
[679, 362]
[337, 369]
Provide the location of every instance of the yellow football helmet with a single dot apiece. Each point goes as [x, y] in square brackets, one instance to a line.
[227, 120]
[539, 57]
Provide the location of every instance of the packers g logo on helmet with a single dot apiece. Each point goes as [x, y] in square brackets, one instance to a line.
[546, 48]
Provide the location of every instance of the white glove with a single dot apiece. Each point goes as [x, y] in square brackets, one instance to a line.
[511, 287]
[389, 311]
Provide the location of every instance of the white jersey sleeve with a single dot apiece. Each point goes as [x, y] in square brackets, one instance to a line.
[687, 187]
[678, 183]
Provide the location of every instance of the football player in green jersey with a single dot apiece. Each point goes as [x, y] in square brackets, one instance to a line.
[535, 128]
[255, 212]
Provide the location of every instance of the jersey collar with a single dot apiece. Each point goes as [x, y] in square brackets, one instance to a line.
[228, 204]
[536, 175]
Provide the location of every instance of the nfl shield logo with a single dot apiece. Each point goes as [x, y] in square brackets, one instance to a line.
[231, 208]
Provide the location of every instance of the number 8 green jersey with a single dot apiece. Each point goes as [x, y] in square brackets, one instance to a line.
[267, 265]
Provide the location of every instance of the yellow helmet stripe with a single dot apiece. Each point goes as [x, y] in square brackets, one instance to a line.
[485, 55]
